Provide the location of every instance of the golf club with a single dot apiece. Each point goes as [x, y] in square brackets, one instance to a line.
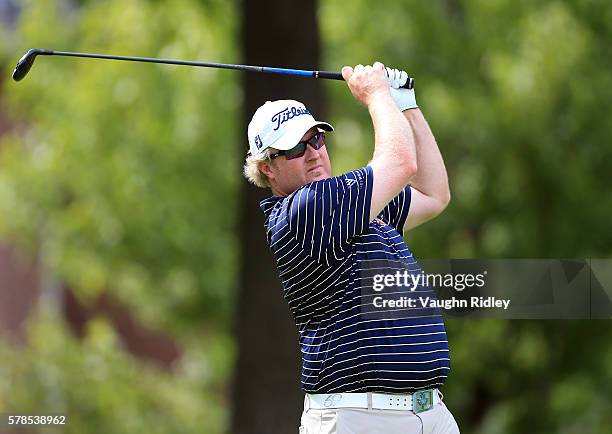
[25, 64]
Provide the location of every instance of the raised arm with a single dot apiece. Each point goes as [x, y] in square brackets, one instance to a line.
[430, 190]
[394, 162]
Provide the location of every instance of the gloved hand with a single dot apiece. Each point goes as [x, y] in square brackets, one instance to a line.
[404, 98]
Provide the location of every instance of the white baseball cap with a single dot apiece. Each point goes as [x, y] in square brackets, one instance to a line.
[280, 124]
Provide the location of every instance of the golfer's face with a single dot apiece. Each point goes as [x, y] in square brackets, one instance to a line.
[291, 174]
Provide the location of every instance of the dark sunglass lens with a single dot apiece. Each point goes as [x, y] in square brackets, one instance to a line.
[297, 151]
[317, 140]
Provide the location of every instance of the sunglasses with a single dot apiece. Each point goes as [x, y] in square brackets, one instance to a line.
[316, 141]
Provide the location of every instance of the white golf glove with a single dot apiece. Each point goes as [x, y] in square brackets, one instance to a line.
[404, 98]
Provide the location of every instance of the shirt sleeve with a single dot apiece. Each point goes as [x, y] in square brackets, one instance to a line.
[325, 215]
[396, 211]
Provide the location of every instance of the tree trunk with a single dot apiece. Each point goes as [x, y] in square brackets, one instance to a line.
[266, 393]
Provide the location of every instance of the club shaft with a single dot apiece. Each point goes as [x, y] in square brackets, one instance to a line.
[25, 63]
[316, 74]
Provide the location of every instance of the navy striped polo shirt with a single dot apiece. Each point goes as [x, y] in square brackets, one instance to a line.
[327, 253]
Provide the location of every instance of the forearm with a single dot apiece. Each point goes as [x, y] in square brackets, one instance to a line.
[431, 178]
[394, 161]
[393, 136]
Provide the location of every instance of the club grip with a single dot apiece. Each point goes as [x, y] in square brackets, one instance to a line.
[338, 76]
[329, 74]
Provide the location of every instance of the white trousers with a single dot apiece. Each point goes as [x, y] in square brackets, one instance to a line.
[438, 420]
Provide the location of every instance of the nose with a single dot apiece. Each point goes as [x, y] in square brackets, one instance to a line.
[311, 153]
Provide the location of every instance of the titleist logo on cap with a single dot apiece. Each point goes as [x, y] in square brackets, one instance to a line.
[287, 114]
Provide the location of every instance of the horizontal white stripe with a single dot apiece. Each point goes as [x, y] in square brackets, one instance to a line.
[368, 330]
[382, 380]
[380, 345]
[321, 376]
[375, 354]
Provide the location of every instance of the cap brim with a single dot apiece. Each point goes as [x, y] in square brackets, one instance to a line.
[292, 138]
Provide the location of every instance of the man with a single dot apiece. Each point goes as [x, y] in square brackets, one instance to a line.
[366, 368]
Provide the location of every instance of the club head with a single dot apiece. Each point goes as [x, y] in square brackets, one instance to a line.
[26, 62]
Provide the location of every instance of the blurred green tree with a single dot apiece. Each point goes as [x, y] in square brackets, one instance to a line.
[111, 175]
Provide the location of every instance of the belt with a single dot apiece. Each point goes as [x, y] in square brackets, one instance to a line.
[417, 402]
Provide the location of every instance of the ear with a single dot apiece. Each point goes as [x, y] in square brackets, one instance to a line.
[264, 167]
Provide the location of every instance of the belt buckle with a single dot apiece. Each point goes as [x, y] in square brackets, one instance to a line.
[422, 401]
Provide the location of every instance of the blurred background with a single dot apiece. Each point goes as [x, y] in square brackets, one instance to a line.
[137, 293]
